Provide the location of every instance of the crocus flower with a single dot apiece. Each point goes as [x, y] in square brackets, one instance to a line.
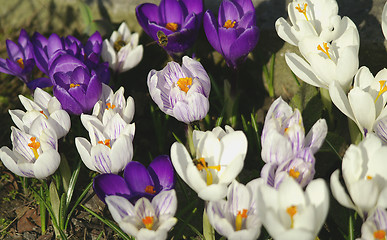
[109, 105]
[138, 181]
[122, 50]
[309, 18]
[217, 163]
[376, 225]
[384, 20]
[32, 156]
[20, 61]
[181, 91]
[364, 172]
[365, 102]
[236, 218]
[174, 24]
[110, 148]
[75, 86]
[44, 111]
[291, 213]
[235, 33]
[145, 220]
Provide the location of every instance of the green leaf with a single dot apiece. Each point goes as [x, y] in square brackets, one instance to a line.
[208, 230]
[65, 172]
[54, 200]
[72, 182]
[303, 96]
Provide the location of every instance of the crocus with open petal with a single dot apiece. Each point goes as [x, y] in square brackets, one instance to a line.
[236, 218]
[365, 102]
[364, 172]
[122, 50]
[145, 220]
[376, 225]
[43, 112]
[174, 24]
[20, 61]
[217, 163]
[235, 33]
[32, 156]
[291, 213]
[138, 181]
[181, 91]
[75, 86]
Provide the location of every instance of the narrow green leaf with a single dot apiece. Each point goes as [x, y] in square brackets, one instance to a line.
[42, 213]
[54, 200]
[62, 211]
[73, 181]
[219, 121]
[208, 230]
[65, 172]
[255, 127]
[177, 139]
[244, 124]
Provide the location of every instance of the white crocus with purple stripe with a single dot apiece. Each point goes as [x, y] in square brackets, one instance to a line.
[376, 225]
[43, 112]
[366, 96]
[181, 91]
[145, 220]
[122, 50]
[32, 156]
[218, 162]
[364, 172]
[110, 148]
[237, 218]
[290, 213]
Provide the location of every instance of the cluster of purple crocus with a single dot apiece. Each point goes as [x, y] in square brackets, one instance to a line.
[72, 68]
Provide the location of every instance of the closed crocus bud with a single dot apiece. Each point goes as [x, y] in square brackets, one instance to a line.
[174, 24]
[181, 91]
[234, 34]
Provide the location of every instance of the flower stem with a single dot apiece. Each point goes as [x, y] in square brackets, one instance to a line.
[189, 133]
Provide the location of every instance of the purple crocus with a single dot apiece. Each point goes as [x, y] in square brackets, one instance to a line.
[174, 24]
[138, 181]
[235, 34]
[76, 86]
[20, 61]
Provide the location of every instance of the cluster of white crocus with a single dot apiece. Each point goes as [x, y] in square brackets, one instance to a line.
[122, 50]
[35, 143]
[328, 43]
[111, 133]
[219, 159]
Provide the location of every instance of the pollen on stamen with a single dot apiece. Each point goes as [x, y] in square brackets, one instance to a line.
[380, 234]
[148, 222]
[34, 147]
[294, 174]
[106, 142]
[383, 89]
[229, 24]
[150, 189]
[302, 10]
[110, 106]
[369, 177]
[72, 85]
[172, 26]
[43, 114]
[325, 50]
[239, 219]
[184, 84]
[292, 210]
[20, 62]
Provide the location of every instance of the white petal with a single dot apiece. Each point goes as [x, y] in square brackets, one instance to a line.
[17, 118]
[165, 203]
[109, 54]
[209, 148]
[61, 122]
[233, 145]
[46, 164]
[214, 192]
[84, 149]
[340, 99]
[130, 58]
[316, 135]
[121, 153]
[290, 193]
[119, 207]
[42, 98]
[230, 172]
[10, 160]
[129, 110]
[180, 159]
[318, 194]
[363, 108]
[285, 31]
[101, 159]
[339, 192]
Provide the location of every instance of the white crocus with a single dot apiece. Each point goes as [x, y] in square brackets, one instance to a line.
[291, 213]
[122, 50]
[111, 147]
[145, 220]
[218, 131]
[110, 105]
[43, 112]
[376, 226]
[236, 218]
[309, 18]
[364, 172]
[365, 102]
[326, 62]
[384, 20]
[217, 163]
[32, 156]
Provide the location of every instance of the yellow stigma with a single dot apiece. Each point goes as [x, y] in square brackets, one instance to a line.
[72, 85]
[110, 106]
[107, 142]
[172, 26]
[34, 146]
[303, 10]
[184, 84]
[148, 222]
[325, 50]
[149, 189]
[380, 234]
[239, 219]
[20, 62]
[229, 24]
[369, 177]
[383, 89]
[201, 164]
[292, 210]
[294, 174]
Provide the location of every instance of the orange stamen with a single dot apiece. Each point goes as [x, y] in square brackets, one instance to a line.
[43, 114]
[292, 210]
[383, 89]
[148, 222]
[229, 24]
[149, 189]
[294, 174]
[34, 146]
[380, 234]
[201, 164]
[72, 85]
[369, 177]
[172, 26]
[20, 62]
[303, 11]
[107, 142]
[325, 50]
[110, 106]
[184, 84]
[239, 219]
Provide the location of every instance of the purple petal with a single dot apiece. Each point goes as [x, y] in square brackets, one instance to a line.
[54, 43]
[247, 20]
[181, 41]
[211, 29]
[14, 67]
[245, 43]
[146, 13]
[170, 12]
[24, 39]
[161, 171]
[4, 67]
[227, 11]
[68, 102]
[80, 76]
[226, 38]
[137, 177]
[94, 43]
[40, 83]
[41, 59]
[244, 6]
[14, 50]
[193, 6]
[79, 94]
[110, 184]
[65, 63]
[93, 92]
